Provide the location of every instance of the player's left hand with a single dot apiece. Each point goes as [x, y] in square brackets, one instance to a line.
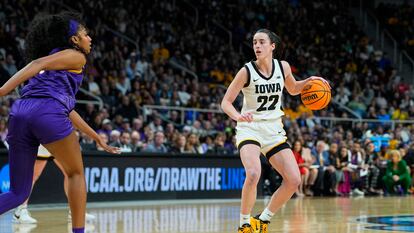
[320, 78]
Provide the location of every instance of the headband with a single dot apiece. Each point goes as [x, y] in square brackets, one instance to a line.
[73, 27]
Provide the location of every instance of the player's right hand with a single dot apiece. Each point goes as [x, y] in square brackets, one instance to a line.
[245, 117]
[107, 148]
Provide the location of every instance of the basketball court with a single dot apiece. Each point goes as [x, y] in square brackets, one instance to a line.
[300, 215]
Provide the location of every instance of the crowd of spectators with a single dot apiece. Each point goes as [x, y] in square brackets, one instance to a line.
[354, 167]
[399, 20]
[127, 76]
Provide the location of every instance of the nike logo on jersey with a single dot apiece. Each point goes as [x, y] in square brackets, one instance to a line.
[254, 80]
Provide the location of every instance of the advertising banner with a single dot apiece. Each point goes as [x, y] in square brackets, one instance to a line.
[142, 177]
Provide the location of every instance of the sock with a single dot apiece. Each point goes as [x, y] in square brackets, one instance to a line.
[78, 230]
[266, 215]
[244, 219]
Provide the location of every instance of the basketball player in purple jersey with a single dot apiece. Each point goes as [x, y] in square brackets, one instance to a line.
[57, 46]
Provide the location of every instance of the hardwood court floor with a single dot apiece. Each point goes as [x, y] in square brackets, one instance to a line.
[326, 215]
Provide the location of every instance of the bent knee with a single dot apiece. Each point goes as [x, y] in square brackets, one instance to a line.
[293, 182]
[252, 175]
[74, 173]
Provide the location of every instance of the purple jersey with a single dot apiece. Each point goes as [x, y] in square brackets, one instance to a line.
[61, 85]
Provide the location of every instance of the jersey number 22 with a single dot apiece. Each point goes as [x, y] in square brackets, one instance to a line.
[264, 99]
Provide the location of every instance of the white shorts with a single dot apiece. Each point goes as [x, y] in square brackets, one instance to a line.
[43, 153]
[269, 135]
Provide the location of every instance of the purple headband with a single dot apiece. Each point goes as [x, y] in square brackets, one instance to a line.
[73, 27]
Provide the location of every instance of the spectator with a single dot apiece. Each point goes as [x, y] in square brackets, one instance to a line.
[10, 65]
[343, 172]
[106, 127]
[359, 171]
[137, 125]
[108, 96]
[126, 126]
[158, 145]
[4, 74]
[208, 144]
[372, 164]
[193, 144]
[303, 167]
[93, 87]
[123, 84]
[124, 142]
[156, 125]
[219, 148]
[136, 142]
[87, 143]
[169, 132]
[126, 110]
[115, 136]
[330, 182]
[397, 179]
[231, 145]
[320, 165]
[179, 145]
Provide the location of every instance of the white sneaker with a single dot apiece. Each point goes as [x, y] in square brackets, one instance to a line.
[88, 217]
[357, 192]
[22, 215]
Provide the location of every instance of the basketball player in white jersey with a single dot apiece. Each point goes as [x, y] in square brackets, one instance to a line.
[260, 129]
[22, 214]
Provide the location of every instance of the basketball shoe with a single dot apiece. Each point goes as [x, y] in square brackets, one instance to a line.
[246, 228]
[258, 225]
[22, 215]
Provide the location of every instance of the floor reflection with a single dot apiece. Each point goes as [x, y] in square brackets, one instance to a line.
[298, 216]
[204, 218]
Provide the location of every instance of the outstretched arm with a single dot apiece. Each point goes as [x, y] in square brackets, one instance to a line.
[64, 60]
[80, 124]
[231, 94]
[293, 86]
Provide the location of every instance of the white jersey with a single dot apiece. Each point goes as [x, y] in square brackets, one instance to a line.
[263, 95]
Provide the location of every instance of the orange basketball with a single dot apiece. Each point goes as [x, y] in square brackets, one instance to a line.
[316, 95]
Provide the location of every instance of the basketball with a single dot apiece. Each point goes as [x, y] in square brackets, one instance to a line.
[316, 95]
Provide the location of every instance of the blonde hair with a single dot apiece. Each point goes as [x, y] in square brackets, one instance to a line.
[395, 153]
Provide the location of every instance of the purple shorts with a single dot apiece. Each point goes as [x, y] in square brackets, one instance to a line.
[38, 120]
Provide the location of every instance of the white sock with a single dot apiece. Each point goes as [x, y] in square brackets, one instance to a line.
[266, 215]
[244, 219]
